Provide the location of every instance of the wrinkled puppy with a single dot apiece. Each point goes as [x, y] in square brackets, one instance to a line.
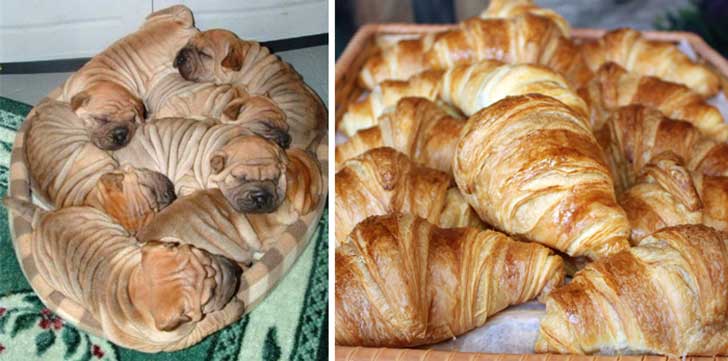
[107, 91]
[67, 169]
[172, 96]
[205, 217]
[219, 56]
[164, 291]
[195, 154]
[132, 196]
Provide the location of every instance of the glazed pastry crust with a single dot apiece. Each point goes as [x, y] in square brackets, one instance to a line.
[401, 281]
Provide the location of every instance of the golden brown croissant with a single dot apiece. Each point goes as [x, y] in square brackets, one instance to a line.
[526, 38]
[614, 87]
[513, 8]
[530, 166]
[628, 48]
[664, 195]
[667, 296]
[383, 181]
[468, 87]
[400, 281]
[418, 128]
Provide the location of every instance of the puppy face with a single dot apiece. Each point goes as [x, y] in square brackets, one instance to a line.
[132, 196]
[209, 54]
[177, 284]
[250, 171]
[260, 115]
[110, 113]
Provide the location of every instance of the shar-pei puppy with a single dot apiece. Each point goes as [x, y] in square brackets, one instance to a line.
[208, 215]
[170, 95]
[67, 169]
[194, 154]
[219, 56]
[145, 295]
[107, 91]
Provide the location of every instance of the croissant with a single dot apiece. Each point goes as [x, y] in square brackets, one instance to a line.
[666, 296]
[400, 281]
[417, 128]
[512, 8]
[614, 87]
[383, 181]
[526, 38]
[530, 166]
[664, 195]
[468, 87]
[628, 48]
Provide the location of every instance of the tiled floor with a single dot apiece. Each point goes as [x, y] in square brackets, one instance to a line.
[30, 88]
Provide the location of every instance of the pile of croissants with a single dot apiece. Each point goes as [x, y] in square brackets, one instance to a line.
[171, 162]
[488, 162]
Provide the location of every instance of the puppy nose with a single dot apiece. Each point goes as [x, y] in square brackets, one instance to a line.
[283, 139]
[257, 201]
[180, 59]
[119, 135]
[259, 198]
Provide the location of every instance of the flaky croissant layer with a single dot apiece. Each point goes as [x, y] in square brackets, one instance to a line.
[401, 281]
[667, 296]
[530, 166]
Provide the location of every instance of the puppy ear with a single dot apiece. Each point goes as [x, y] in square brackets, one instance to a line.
[217, 162]
[80, 100]
[234, 58]
[232, 110]
[113, 181]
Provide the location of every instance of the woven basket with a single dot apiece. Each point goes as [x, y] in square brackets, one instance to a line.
[255, 283]
[348, 91]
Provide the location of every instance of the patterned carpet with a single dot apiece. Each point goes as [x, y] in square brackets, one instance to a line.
[291, 324]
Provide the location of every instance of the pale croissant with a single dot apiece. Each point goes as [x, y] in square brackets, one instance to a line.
[526, 38]
[614, 87]
[383, 181]
[513, 8]
[628, 48]
[400, 281]
[417, 128]
[151, 297]
[530, 166]
[667, 296]
[468, 87]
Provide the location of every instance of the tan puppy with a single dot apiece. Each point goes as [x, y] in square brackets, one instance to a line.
[109, 88]
[194, 155]
[161, 290]
[205, 217]
[131, 196]
[219, 56]
[67, 169]
[172, 96]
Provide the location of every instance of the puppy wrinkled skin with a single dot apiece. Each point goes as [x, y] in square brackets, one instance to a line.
[106, 91]
[151, 294]
[69, 170]
[205, 217]
[171, 95]
[219, 56]
[194, 155]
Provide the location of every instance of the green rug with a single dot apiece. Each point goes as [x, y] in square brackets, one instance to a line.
[290, 324]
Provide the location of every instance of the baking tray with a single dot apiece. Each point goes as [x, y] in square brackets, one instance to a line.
[347, 90]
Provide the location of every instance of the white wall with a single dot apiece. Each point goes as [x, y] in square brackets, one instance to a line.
[32, 30]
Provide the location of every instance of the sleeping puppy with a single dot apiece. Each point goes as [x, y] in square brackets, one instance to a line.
[67, 169]
[205, 217]
[131, 196]
[106, 92]
[164, 291]
[196, 154]
[172, 96]
[219, 56]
